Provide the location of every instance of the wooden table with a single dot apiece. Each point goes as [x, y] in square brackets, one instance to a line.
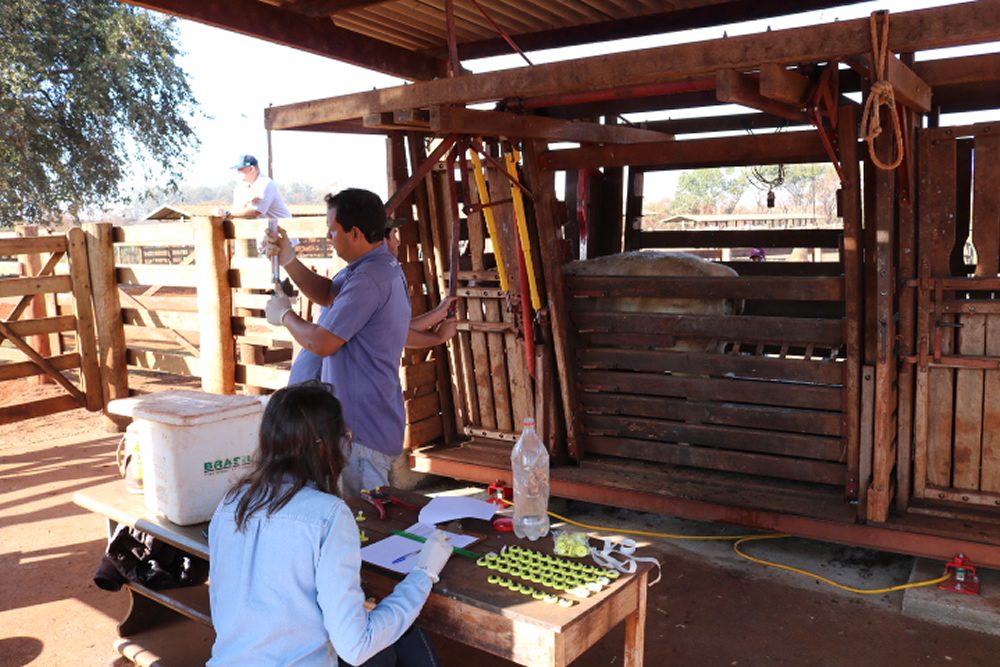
[462, 606]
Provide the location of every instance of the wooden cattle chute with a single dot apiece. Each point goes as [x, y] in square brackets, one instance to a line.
[699, 428]
[882, 330]
[74, 349]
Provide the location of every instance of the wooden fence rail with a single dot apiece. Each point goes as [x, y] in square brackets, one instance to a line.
[37, 341]
[202, 316]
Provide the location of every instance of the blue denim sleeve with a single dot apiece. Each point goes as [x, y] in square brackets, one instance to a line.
[357, 634]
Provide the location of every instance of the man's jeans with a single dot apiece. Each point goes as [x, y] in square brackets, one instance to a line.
[365, 469]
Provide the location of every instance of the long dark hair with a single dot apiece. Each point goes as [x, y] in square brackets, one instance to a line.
[301, 437]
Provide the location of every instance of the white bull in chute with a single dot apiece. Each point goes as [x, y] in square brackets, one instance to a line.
[658, 263]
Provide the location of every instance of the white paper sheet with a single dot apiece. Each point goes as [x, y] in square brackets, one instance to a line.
[400, 553]
[449, 508]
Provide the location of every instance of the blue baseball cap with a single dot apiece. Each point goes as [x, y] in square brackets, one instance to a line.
[246, 161]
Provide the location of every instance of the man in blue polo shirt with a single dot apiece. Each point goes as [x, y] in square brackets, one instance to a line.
[361, 336]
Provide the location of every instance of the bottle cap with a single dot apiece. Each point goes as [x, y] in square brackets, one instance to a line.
[504, 524]
[529, 421]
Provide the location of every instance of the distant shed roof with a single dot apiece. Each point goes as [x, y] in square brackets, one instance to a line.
[747, 217]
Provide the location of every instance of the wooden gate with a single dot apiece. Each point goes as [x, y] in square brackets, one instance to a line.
[21, 358]
[957, 405]
[768, 398]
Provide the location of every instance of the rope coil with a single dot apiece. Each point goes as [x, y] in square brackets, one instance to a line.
[881, 93]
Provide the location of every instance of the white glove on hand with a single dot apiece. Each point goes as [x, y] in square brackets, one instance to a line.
[436, 552]
[277, 245]
[277, 306]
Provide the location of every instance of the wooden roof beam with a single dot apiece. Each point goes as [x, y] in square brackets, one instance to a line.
[784, 85]
[729, 123]
[328, 7]
[313, 35]
[953, 25]
[682, 16]
[695, 100]
[786, 148]
[447, 119]
[968, 83]
[908, 87]
[380, 121]
[406, 119]
[942, 77]
[734, 87]
[983, 68]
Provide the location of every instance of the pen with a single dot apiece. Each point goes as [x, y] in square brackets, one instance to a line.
[404, 557]
[458, 550]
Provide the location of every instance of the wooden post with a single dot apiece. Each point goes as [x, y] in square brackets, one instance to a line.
[446, 385]
[571, 229]
[633, 209]
[541, 183]
[466, 409]
[521, 384]
[31, 265]
[108, 317]
[864, 473]
[907, 259]
[90, 373]
[249, 354]
[607, 227]
[850, 212]
[215, 306]
[548, 406]
[883, 292]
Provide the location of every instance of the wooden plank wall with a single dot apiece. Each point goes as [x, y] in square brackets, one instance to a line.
[957, 405]
[766, 398]
[986, 241]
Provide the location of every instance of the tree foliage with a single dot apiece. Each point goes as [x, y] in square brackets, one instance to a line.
[89, 90]
[702, 191]
[812, 188]
[798, 188]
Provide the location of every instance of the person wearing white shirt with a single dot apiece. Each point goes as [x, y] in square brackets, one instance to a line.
[255, 195]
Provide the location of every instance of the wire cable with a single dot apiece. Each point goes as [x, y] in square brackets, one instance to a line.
[740, 539]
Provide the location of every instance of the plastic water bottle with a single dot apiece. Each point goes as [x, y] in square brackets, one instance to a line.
[530, 465]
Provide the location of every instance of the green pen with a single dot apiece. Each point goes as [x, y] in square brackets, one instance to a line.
[417, 538]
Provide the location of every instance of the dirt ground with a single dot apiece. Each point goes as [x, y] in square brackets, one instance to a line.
[700, 613]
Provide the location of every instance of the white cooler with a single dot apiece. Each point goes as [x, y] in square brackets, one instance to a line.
[193, 445]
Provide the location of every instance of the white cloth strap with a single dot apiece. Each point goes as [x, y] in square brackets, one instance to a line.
[620, 556]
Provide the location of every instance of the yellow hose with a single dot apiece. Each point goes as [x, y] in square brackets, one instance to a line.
[747, 538]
